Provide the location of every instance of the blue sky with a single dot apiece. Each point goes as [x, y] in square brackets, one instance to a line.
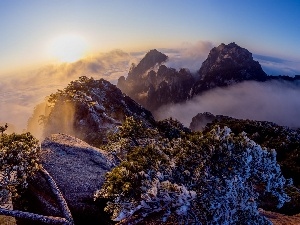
[265, 27]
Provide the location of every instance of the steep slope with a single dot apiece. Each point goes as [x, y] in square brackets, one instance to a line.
[152, 84]
[89, 109]
[226, 65]
[151, 59]
[136, 81]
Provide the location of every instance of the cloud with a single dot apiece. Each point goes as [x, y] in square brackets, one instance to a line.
[278, 66]
[270, 101]
[21, 92]
[189, 55]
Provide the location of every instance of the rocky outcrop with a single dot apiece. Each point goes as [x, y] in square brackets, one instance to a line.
[136, 82]
[78, 170]
[89, 109]
[152, 84]
[151, 59]
[200, 120]
[168, 86]
[226, 65]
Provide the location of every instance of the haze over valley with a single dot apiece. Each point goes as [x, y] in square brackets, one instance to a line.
[20, 92]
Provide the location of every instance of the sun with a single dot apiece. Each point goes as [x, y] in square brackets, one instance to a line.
[68, 48]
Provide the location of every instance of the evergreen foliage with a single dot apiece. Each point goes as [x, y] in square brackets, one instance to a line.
[19, 160]
[212, 178]
[286, 141]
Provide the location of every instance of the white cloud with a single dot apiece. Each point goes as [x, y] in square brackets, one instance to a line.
[270, 101]
[189, 55]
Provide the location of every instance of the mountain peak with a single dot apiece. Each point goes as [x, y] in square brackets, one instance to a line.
[150, 60]
[227, 64]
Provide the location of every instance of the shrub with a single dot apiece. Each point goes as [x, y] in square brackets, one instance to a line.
[211, 178]
[18, 161]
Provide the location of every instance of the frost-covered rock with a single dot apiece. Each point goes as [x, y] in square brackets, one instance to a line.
[79, 170]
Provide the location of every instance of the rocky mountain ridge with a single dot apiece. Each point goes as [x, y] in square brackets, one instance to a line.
[152, 84]
[154, 87]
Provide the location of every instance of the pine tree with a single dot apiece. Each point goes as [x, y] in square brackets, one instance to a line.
[211, 178]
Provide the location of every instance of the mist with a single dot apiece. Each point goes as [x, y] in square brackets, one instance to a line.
[188, 56]
[272, 101]
[278, 66]
[21, 92]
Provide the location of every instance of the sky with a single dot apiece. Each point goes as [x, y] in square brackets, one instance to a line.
[38, 31]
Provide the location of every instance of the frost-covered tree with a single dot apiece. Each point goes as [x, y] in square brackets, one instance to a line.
[19, 159]
[212, 178]
[131, 134]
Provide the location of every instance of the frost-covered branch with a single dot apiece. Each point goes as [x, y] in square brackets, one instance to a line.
[59, 197]
[67, 220]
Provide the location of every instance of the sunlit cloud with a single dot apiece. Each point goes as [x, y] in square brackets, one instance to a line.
[21, 92]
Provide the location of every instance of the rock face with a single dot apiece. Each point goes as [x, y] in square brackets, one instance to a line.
[151, 59]
[200, 120]
[152, 84]
[225, 65]
[78, 170]
[89, 109]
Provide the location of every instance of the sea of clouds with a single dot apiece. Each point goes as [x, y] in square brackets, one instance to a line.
[273, 101]
[277, 102]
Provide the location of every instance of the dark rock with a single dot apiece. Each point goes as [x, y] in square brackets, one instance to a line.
[226, 65]
[151, 59]
[201, 120]
[152, 84]
[154, 87]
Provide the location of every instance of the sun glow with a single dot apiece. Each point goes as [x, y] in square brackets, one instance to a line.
[68, 48]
